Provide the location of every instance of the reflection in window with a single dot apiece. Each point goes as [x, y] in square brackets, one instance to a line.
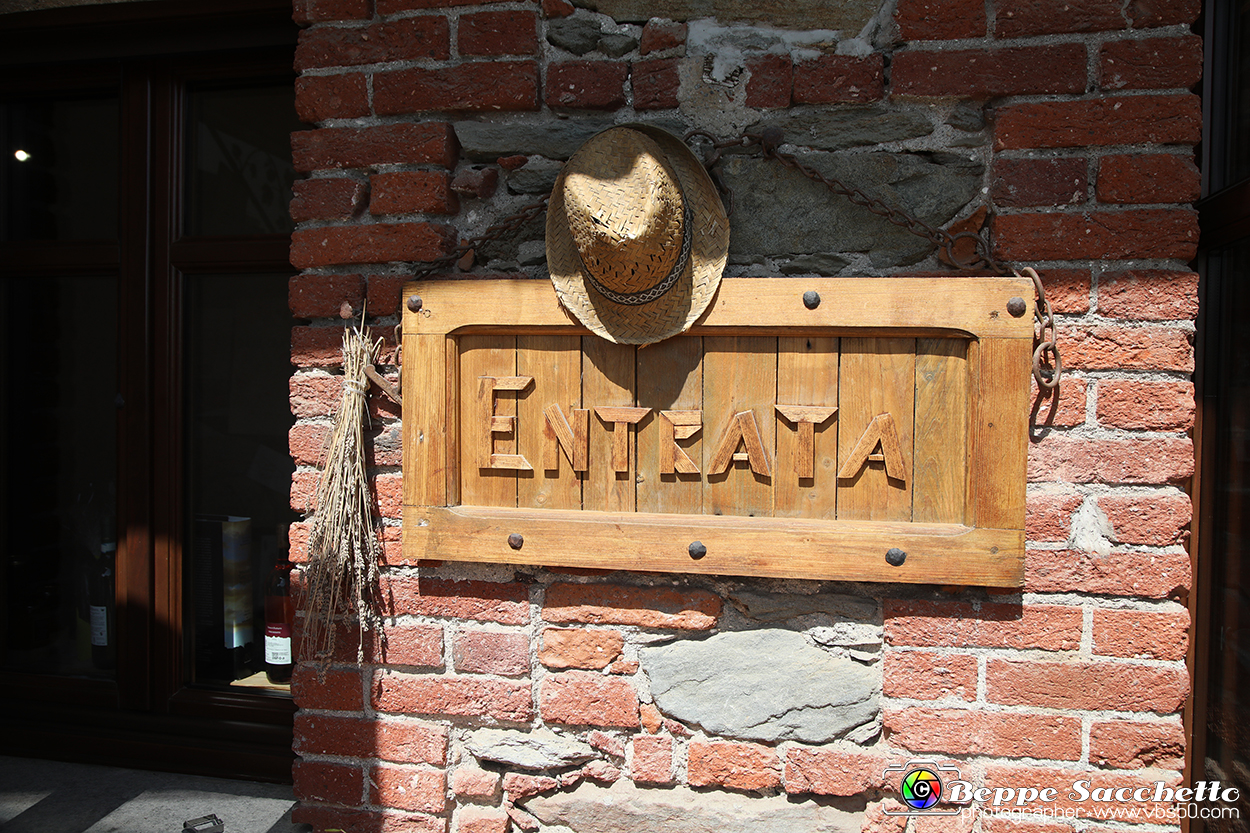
[237, 417]
[58, 169]
[239, 171]
[58, 468]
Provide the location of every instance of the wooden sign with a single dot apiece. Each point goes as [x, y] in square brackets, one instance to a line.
[879, 436]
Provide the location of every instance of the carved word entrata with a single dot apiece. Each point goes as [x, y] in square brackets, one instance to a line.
[739, 442]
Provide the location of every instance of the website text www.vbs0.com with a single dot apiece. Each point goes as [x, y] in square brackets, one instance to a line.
[929, 788]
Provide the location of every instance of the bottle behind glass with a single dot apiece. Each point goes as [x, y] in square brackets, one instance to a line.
[279, 616]
[102, 598]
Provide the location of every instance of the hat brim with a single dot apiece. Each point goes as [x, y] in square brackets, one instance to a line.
[676, 310]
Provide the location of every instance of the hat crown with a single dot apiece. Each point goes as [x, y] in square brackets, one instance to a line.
[625, 211]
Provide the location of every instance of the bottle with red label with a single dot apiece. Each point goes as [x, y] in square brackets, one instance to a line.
[279, 616]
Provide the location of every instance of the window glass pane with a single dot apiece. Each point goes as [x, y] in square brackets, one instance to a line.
[1228, 743]
[239, 170]
[57, 475]
[238, 472]
[58, 174]
[1240, 80]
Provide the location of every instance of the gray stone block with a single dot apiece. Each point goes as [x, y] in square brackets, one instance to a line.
[850, 16]
[848, 127]
[482, 141]
[578, 35]
[766, 685]
[533, 750]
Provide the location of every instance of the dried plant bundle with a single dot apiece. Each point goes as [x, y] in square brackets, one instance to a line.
[341, 577]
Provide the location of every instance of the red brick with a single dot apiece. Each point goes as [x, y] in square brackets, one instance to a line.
[409, 788]
[325, 734]
[1048, 517]
[388, 491]
[1141, 634]
[1096, 686]
[386, 7]
[644, 607]
[315, 394]
[1148, 574]
[469, 783]
[1153, 406]
[1067, 290]
[479, 697]
[498, 33]
[1097, 235]
[317, 11]
[334, 691]
[771, 81]
[557, 8]
[1124, 744]
[485, 601]
[735, 766]
[655, 83]
[1029, 182]
[518, 786]
[1022, 18]
[321, 97]
[997, 734]
[491, 652]
[417, 645]
[1156, 63]
[410, 39]
[303, 499]
[1007, 825]
[306, 443]
[989, 73]
[1148, 294]
[410, 741]
[588, 85]
[1147, 462]
[1152, 520]
[1070, 409]
[1061, 781]
[326, 199]
[837, 78]
[1147, 178]
[471, 87]
[476, 182]
[321, 296]
[1150, 14]
[1139, 119]
[985, 625]
[652, 759]
[429, 143]
[659, 34]
[580, 648]
[582, 698]
[404, 192]
[940, 19]
[924, 675]
[833, 772]
[1111, 348]
[328, 783]
[482, 820]
[374, 243]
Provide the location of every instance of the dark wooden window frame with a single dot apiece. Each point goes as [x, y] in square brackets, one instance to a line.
[147, 53]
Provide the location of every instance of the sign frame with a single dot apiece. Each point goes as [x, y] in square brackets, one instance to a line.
[986, 549]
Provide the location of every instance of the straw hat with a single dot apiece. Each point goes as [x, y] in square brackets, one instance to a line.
[637, 237]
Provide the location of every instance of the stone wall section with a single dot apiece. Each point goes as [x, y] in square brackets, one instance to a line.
[527, 699]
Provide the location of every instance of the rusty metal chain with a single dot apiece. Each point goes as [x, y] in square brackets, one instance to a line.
[1047, 364]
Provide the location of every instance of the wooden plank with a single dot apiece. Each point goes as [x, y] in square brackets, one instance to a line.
[941, 446]
[973, 305]
[425, 421]
[555, 362]
[805, 484]
[1000, 451]
[769, 547]
[739, 375]
[608, 374]
[877, 376]
[488, 356]
[670, 378]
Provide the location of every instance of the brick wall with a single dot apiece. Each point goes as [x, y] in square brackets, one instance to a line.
[521, 699]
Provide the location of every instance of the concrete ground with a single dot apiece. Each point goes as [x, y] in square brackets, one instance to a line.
[50, 797]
